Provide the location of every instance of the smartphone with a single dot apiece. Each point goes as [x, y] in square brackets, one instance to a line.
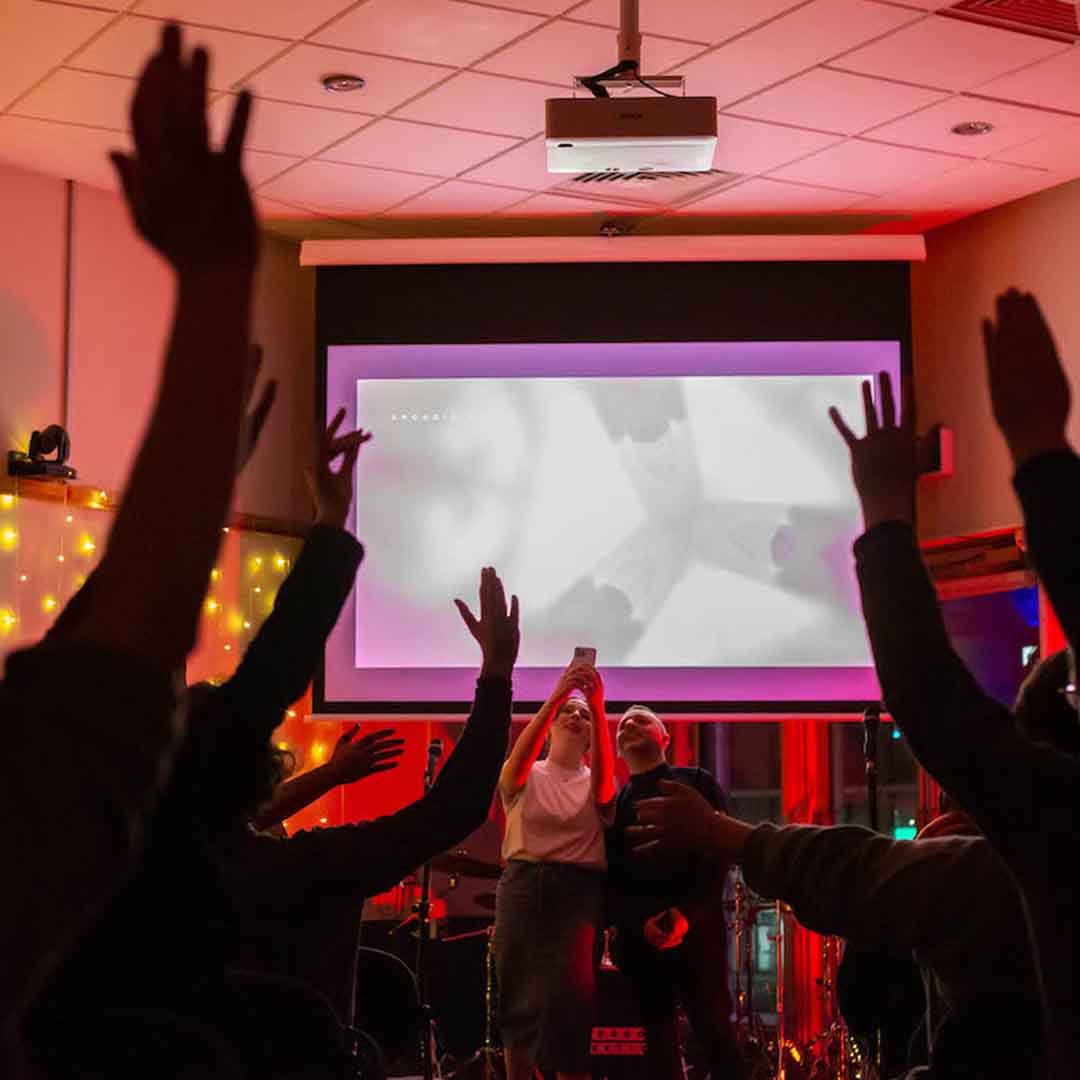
[584, 654]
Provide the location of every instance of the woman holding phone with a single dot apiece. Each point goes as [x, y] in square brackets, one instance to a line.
[550, 898]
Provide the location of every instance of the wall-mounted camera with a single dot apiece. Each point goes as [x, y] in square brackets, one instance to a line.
[46, 458]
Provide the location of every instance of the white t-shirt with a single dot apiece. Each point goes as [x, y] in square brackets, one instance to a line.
[554, 818]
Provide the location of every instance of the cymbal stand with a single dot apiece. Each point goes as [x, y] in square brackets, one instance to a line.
[489, 1054]
[423, 938]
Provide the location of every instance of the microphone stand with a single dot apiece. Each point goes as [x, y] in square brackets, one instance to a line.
[871, 725]
[423, 936]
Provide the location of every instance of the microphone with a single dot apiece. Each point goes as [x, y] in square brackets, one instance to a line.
[871, 724]
[434, 752]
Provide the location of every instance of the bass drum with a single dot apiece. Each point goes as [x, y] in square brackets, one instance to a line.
[618, 1039]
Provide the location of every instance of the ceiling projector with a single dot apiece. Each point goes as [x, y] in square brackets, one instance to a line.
[631, 134]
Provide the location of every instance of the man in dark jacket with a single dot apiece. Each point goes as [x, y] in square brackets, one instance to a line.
[668, 913]
[1023, 794]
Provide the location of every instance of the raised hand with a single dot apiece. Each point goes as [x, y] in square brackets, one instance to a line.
[497, 629]
[255, 420]
[333, 491]
[884, 463]
[682, 819]
[190, 202]
[1028, 389]
[575, 677]
[354, 759]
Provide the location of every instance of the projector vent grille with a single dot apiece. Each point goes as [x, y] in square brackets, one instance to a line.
[647, 176]
[1045, 18]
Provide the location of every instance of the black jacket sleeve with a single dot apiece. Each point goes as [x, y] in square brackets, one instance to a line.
[1048, 487]
[962, 737]
[280, 662]
[877, 892]
[357, 861]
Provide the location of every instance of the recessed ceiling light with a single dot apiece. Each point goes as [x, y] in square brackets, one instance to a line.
[973, 127]
[342, 84]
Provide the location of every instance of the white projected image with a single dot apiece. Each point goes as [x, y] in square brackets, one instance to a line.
[667, 521]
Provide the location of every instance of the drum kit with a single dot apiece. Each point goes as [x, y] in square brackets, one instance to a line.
[757, 932]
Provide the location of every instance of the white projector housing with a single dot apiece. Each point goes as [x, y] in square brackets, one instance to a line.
[631, 134]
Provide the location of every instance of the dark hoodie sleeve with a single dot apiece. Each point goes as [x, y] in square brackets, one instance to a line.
[281, 660]
[1048, 487]
[358, 861]
[967, 741]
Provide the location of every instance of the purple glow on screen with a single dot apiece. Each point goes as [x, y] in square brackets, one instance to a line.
[367, 372]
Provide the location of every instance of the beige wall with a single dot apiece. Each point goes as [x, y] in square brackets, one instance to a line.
[120, 304]
[1031, 244]
[32, 211]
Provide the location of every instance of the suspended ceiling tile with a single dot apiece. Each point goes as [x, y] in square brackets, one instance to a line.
[835, 101]
[801, 39]
[78, 97]
[545, 205]
[561, 50]
[297, 76]
[460, 197]
[525, 167]
[125, 46]
[281, 128]
[948, 53]
[436, 31]
[275, 18]
[1059, 152]
[1053, 83]
[761, 196]
[37, 37]
[750, 146]
[931, 129]
[63, 150]
[485, 103]
[858, 165]
[691, 19]
[975, 186]
[259, 167]
[344, 189]
[401, 144]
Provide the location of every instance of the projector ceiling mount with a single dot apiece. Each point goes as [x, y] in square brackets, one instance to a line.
[626, 136]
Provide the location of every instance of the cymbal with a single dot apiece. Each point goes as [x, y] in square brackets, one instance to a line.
[462, 863]
[486, 900]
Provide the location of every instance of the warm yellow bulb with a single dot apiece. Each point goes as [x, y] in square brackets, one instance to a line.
[59, 558]
[318, 752]
[70, 518]
[247, 625]
[212, 606]
[23, 578]
[283, 746]
[9, 538]
[7, 620]
[48, 603]
[290, 713]
[215, 574]
[228, 648]
[258, 588]
[225, 529]
[280, 562]
[87, 545]
[7, 501]
[322, 821]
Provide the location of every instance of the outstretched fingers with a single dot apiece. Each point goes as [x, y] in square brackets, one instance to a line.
[888, 400]
[467, 617]
[840, 424]
[869, 408]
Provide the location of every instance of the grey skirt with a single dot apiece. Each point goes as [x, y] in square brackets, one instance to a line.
[546, 920]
